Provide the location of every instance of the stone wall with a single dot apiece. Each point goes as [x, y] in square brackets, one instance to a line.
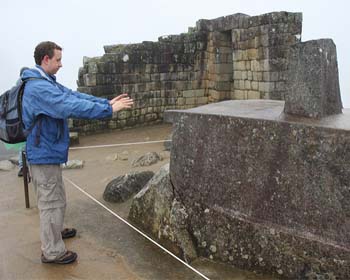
[232, 57]
[258, 47]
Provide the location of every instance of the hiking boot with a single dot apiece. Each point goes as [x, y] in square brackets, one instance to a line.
[67, 258]
[68, 233]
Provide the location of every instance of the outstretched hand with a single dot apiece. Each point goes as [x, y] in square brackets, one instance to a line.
[121, 102]
[115, 99]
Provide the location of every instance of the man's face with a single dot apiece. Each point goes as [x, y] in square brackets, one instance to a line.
[52, 65]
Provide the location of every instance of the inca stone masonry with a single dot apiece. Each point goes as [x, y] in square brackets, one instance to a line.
[232, 57]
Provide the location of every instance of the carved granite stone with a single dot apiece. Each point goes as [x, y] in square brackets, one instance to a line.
[263, 190]
[313, 83]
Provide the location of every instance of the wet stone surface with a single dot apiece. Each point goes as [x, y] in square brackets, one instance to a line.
[263, 192]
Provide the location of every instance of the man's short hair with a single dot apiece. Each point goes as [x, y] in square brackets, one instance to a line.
[45, 48]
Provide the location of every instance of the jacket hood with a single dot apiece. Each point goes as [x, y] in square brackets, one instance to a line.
[36, 72]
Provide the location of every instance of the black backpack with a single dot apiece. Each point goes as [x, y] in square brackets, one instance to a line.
[11, 126]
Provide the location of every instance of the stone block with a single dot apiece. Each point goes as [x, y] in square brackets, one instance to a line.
[121, 123]
[266, 86]
[264, 40]
[254, 66]
[251, 43]
[250, 75]
[313, 83]
[264, 65]
[220, 77]
[252, 94]
[270, 193]
[112, 124]
[237, 75]
[236, 55]
[239, 94]
[224, 68]
[223, 86]
[150, 117]
[180, 101]
[239, 65]
[190, 101]
[255, 85]
[188, 93]
[123, 114]
[252, 54]
[263, 53]
[199, 92]
[90, 80]
[92, 67]
[241, 45]
[241, 84]
[266, 76]
[202, 100]
[218, 95]
[274, 76]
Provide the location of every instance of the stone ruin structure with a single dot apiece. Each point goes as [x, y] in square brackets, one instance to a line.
[271, 191]
[259, 184]
[232, 57]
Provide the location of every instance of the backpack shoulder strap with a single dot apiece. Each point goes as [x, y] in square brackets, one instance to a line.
[33, 78]
[37, 119]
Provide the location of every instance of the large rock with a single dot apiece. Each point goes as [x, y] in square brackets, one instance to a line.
[157, 212]
[73, 164]
[146, 159]
[313, 83]
[123, 187]
[265, 191]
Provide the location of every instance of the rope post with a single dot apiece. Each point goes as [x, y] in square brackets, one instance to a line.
[25, 179]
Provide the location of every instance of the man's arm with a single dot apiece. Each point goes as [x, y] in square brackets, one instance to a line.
[122, 97]
[51, 101]
[85, 96]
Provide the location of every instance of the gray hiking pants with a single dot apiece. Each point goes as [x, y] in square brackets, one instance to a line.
[51, 199]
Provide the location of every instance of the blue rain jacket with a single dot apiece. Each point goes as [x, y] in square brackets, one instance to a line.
[46, 107]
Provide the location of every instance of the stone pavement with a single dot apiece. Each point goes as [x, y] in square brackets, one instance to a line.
[106, 247]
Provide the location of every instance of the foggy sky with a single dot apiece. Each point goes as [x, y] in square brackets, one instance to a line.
[82, 28]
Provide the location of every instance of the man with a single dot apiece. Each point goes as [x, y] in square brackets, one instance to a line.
[46, 107]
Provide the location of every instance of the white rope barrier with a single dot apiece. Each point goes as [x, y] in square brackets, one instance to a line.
[118, 145]
[134, 228]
